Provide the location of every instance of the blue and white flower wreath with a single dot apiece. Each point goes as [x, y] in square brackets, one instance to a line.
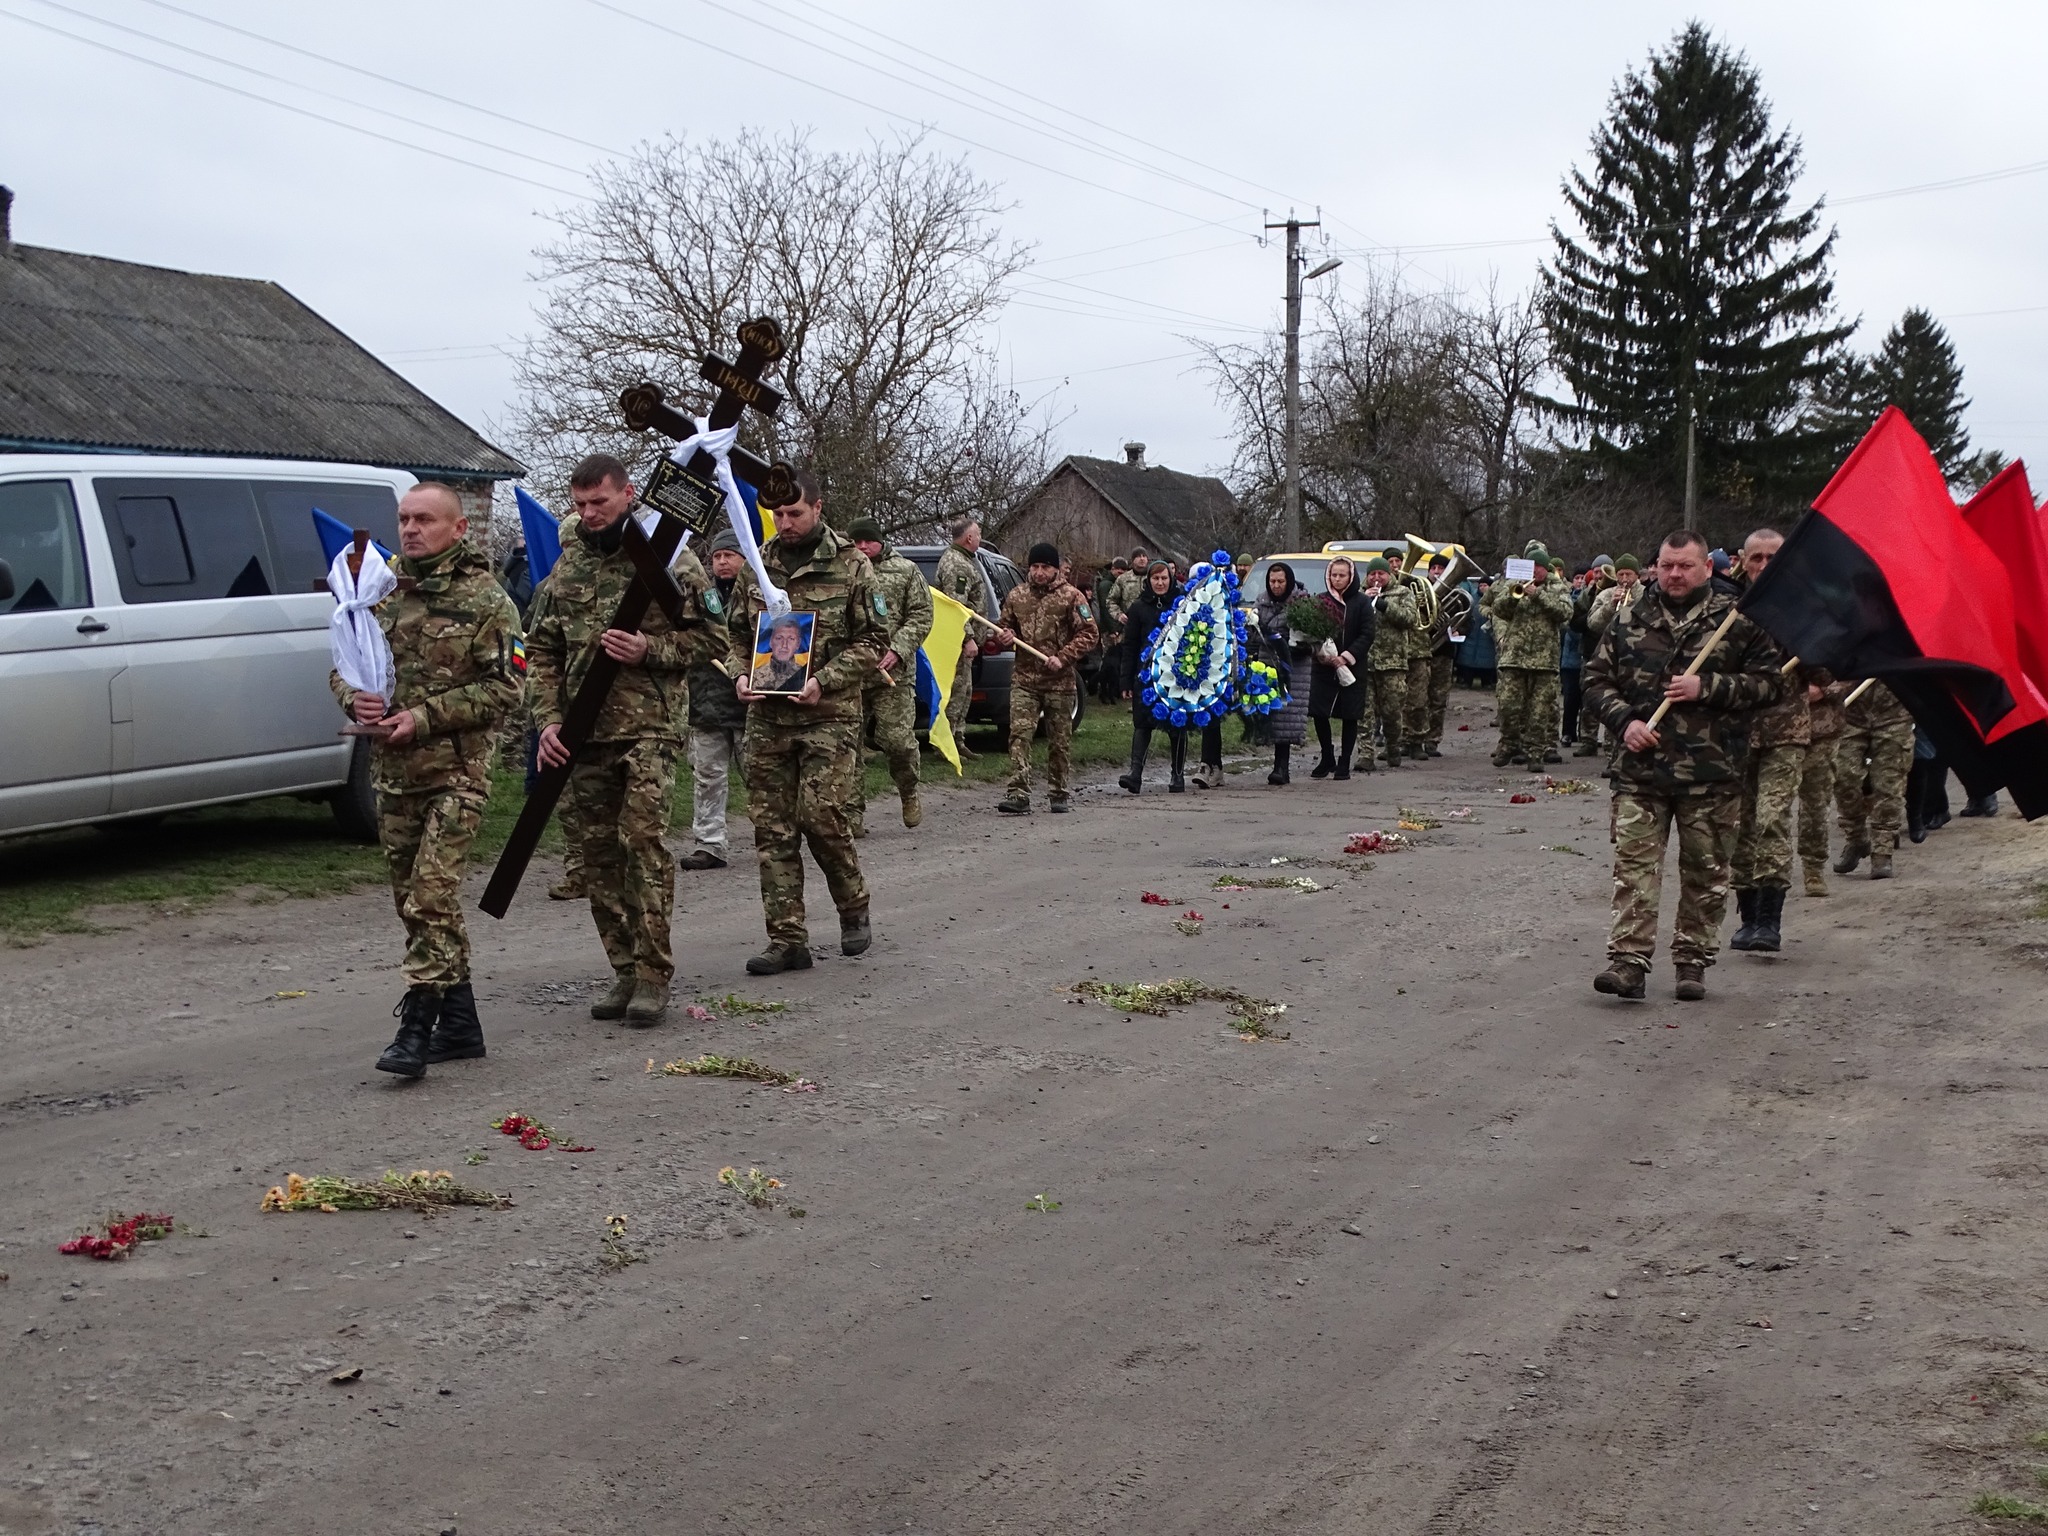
[1194, 670]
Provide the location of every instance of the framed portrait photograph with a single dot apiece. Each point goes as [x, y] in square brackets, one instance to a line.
[782, 653]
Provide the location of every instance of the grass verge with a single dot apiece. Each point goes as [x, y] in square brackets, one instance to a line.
[283, 847]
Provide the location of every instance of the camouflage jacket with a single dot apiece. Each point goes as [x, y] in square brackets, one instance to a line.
[832, 579]
[574, 606]
[1393, 634]
[1056, 621]
[1826, 714]
[959, 577]
[1610, 601]
[1790, 721]
[1122, 593]
[455, 648]
[909, 601]
[1528, 623]
[1702, 746]
[1878, 710]
[1421, 642]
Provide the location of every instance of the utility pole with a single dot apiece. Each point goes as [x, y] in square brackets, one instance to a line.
[1290, 514]
[1692, 492]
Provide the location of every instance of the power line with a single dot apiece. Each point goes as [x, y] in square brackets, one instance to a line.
[392, 80]
[285, 106]
[1077, 373]
[264, 74]
[962, 69]
[813, 85]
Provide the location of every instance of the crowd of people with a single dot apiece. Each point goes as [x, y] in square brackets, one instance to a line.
[1706, 728]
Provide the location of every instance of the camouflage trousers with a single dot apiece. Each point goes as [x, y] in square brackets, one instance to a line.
[1816, 801]
[426, 840]
[620, 793]
[961, 695]
[1429, 693]
[801, 788]
[1870, 783]
[1707, 825]
[890, 719]
[1530, 709]
[1415, 720]
[1389, 707]
[1763, 846]
[1056, 707]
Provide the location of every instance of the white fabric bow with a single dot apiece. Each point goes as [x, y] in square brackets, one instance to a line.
[361, 654]
[719, 445]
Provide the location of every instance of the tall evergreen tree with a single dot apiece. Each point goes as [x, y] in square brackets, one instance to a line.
[1916, 369]
[1694, 290]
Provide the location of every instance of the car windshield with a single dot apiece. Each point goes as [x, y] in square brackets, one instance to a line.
[1310, 572]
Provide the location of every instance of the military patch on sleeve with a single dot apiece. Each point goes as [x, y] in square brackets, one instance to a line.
[519, 655]
[712, 605]
[1082, 609]
[881, 607]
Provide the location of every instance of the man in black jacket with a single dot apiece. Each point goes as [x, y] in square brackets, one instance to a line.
[718, 721]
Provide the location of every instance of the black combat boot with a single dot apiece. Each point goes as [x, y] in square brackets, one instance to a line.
[777, 958]
[1350, 745]
[1851, 855]
[1279, 775]
[407, 1053]
[1745, 904]
[458, 1033]
[854, 933]
[1328, 764]
[1141, 748]
[1621, 979]
[1767, 936]
[1178, 784]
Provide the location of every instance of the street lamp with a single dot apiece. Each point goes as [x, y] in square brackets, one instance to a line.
[1329, 266]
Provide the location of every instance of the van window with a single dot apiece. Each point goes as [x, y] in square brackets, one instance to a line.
[288, 507]
[39, 540]
[156, 541]
[177, 540]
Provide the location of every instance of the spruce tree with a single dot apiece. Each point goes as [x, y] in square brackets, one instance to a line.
[1916, 370]
[1693, 289]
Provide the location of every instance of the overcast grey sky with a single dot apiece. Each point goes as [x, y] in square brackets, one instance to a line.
[1433, 135]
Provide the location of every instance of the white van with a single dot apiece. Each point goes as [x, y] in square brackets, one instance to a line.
[163, 635]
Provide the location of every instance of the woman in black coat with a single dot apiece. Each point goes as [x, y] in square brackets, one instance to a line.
[1153, 603]
[1352, 615]
[1288, 725]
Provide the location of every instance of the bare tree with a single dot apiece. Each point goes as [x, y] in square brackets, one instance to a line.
[1501, 354]
[885, 269]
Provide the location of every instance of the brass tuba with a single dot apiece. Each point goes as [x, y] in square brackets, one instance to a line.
[1447, 607]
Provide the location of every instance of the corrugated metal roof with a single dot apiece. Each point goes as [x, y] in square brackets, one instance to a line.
[111, 354]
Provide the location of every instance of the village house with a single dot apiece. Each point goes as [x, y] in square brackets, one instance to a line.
[105, 356]
[1097, 509]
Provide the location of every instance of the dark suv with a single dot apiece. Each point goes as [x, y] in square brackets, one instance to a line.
[990, 704]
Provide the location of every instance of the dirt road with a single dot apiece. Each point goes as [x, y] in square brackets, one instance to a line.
[1473, 1251]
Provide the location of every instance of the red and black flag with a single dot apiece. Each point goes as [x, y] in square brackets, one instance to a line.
[1884, 578]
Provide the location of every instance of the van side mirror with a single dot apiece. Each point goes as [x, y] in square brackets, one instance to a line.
[6, 581]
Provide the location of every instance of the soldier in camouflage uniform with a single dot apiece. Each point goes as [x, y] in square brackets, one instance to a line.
[624, 775]
[1616, 598]
[458, 674]
[1528, 622]
[892, 711]
[1125, 589]
[959, 577]
[1778, 738]
[1426, 707]
[1687, 772]
[1421, 646]
[803, 751]
[1872, 759]
[1393, 605]
[1817, 781]
[1050, 616]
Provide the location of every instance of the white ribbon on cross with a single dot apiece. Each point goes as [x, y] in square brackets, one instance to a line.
[719, 445]
[361, 654]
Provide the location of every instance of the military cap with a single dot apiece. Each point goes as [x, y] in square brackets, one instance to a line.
[864, 530]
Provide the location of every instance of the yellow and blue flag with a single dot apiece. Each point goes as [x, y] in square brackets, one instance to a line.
[941, 652]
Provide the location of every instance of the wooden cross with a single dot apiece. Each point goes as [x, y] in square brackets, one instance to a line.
[689, 497]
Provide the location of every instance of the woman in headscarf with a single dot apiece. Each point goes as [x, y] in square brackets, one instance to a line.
[1289, 724]
[1153, 603]
[1351, 618]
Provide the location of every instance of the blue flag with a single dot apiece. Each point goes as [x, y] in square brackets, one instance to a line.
[543, 535]
[335, 536]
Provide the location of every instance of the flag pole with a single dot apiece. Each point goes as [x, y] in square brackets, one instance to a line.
[1700, 660]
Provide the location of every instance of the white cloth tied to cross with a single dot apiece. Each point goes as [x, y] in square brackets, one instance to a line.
[361, 654]
[719, 445]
